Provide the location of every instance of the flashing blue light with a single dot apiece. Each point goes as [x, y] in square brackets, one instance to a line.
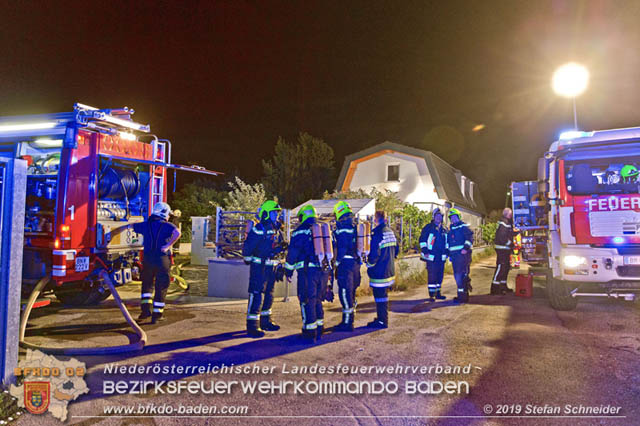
[618, 240]
[574, 134]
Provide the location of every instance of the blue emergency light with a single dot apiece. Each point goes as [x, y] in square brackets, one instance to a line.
[574, 134]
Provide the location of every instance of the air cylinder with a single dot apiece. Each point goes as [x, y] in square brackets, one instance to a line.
[318, 243]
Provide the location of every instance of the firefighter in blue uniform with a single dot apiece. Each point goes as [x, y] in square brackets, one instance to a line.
[460, 240]
[504, 247]
[158, 236]
[381, 267]
[263, 243]
[434, 251]
[301, 257]
[347, 261]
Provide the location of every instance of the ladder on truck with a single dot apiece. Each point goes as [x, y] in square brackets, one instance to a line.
[160, 155]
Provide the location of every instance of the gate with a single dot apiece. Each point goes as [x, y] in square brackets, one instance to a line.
[13, 185]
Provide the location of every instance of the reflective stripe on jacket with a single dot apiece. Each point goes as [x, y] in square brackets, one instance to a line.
[263, 243]
[301, 250]
[381, 260]
[459, 237]
[504, 235]
[344, 239]
[433, 242]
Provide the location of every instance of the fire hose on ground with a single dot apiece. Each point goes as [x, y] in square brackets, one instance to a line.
[106, 350]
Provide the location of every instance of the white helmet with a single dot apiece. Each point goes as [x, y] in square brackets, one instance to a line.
[162, 209]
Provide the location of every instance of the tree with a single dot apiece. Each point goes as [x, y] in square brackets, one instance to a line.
[195, 200]
[245, 197]
[299, 172]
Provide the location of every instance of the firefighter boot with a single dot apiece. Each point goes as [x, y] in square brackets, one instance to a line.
[253, 329]
[346, 324]
[463, 296]
[267, 325]
[146, 312]
[319, 332]
[504, 289]
[440, 296]
[156, 318]
[308, 336]
[377, 323]
[495, 289]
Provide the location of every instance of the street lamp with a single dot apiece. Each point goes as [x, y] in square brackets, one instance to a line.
[570, 81]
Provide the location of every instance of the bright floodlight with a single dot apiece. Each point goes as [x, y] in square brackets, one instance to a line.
[570, 80]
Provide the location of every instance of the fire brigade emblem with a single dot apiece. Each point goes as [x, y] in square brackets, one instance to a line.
[36, 397]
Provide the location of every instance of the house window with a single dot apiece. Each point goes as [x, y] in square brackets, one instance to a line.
[393, 172]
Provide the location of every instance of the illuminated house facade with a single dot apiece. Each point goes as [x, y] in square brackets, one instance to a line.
[418, 177]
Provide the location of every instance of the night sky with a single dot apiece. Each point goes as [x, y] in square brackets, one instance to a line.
[223, 80]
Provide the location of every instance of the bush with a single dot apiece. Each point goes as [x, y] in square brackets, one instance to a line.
[195, 200]
[489, 232]
[244, 197]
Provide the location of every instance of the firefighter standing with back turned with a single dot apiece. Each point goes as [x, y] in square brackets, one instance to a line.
[301, 257]
[434, 251]
[460, 240]
[158, 237]
[263, 243]
[504, 247]
[381, 267]
[347, 261]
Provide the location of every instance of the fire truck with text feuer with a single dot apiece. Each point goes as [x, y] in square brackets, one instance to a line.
[590, 183]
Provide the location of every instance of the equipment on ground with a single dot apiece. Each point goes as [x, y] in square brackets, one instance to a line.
[524, 285]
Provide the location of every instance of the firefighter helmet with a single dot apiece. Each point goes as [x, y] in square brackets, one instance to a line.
[341, 208]
[435, 212]
[454, 212]
[162, 210]
[306, 212]
[267, 207]
[629, 173]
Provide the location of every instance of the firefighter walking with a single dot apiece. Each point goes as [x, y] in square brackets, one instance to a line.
[434, 251]
[460, 240]
[302, 258]
[381, 268]
[504, 247]
[347, 261]
[263, 243]
[159, 235]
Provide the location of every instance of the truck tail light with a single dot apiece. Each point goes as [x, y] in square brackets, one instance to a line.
[64, 237]
[59, 263]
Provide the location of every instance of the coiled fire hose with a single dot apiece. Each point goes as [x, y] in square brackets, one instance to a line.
[105, 350]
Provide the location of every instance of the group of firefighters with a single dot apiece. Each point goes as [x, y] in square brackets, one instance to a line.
[265, 242]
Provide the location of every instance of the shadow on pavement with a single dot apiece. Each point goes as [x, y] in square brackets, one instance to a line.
[244, 353]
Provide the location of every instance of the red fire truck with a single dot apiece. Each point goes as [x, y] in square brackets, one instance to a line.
[591, 184]
[89, 171]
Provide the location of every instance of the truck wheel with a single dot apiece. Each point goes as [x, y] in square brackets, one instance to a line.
[559, 295]
[79, 296]
[104, 295]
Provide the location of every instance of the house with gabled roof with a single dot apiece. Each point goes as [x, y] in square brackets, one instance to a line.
[417, 176]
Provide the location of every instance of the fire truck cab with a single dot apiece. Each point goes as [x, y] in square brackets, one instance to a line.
[591, 182]
[89, 171]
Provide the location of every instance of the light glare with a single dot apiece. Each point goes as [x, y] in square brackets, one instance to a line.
[573, 261]
[27, 126]
[570, 80]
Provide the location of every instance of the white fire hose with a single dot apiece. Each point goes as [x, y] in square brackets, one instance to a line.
[106, 350]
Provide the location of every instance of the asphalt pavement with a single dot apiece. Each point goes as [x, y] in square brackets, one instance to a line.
[523, 358]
